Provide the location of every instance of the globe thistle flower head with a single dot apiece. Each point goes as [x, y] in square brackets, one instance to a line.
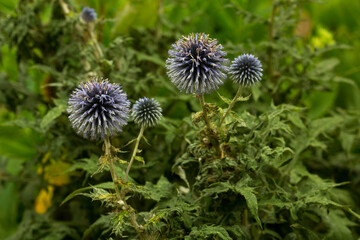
[98, 109]
[146, 112]
[246, 70]
[195, 64]
[88, 14]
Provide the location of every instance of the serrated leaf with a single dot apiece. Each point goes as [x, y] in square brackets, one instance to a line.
[120, 160]
[324, 124]
[243, 99]
[52, 115]
[327, 65]
[218, 188]
[90, 165]
[338, 225]
[162, 189]
[140, 159]
[347, 141]
[296, 120]
[206, 231]
[224, 99]
[251, 201]
[105, 185]
[237, 231]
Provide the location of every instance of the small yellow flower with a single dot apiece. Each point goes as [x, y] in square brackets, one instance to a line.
[322, 39]
[43, 200]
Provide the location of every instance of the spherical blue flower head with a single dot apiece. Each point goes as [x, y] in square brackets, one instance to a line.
[98, 109]
[196, 65]
[88, 14]
[246, 70]
[146, 112]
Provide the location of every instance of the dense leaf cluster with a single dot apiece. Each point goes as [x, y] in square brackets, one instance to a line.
[283, 165]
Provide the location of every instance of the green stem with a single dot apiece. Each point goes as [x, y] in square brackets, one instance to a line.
[111, 165]
[159, 23]
[98, 52]
[271, 39]
[134, 152]
[245, 217]
[64, 7]
[119, 196]
[238, 94]
[204, 110]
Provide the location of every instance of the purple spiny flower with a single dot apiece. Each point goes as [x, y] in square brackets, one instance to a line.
[98, 109]
[195, 64]
[246, 70]
[146, 112]
[88, 14]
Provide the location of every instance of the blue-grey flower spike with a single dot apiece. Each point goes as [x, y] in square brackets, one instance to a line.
[196, 65]
[88, 14]
[146, 112]
[246, 70]
[98, 109]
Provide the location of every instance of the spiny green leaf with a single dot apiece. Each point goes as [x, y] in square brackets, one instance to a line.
[296, 120]
[52, 115]
[326, 65]
[218, 188]
[347, 140]
[162, 189]
[251, 201]
[90, 165]
[206, 231]
[105, 185]
[224, 99]
[140, 159]
[243, 99]
[323, 125]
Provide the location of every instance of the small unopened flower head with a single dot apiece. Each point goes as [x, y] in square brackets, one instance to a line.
[98, 109]
[195, 64]
[146, 112]
[88, 14]
[246, 70]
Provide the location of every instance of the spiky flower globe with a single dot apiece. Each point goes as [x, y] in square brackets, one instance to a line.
[195, 64]
[146, 112]
[98, 109]
[88, 14]
[246, 70]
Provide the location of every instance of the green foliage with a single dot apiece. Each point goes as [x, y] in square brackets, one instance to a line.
[283, 165]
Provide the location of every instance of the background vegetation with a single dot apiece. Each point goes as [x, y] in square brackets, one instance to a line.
[292, 149]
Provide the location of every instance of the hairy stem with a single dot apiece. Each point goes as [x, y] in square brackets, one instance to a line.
[212, 133]
[119, 195]
[205, 114]
[98, 52]
[238, 94]
[111, 165]
[134, 152]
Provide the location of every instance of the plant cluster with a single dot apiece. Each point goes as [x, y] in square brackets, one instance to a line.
[252, 159]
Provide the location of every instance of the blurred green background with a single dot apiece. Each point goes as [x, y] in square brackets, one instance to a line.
[322, 23]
